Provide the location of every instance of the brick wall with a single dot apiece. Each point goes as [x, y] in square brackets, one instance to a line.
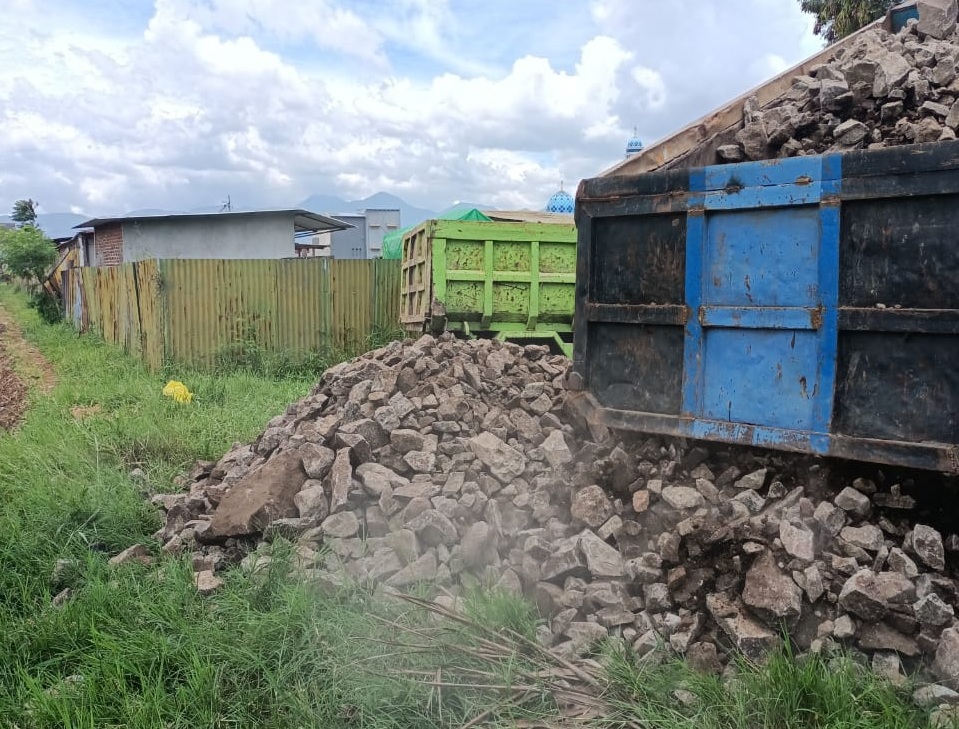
[109, 245]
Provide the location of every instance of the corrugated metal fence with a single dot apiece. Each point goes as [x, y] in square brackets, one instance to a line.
[188, 311]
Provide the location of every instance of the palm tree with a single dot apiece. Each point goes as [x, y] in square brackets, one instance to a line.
[25, 212]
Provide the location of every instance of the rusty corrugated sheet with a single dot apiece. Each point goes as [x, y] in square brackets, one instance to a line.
[351, 305]
[209, 304]
[386, 292]
[301, 288]
[189, 311]
[150, 312]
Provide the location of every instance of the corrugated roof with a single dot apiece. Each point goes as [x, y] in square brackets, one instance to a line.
[303, 220]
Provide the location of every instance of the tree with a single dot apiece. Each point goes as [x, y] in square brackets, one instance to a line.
[26, 252]
[836, 19]
[25, 212]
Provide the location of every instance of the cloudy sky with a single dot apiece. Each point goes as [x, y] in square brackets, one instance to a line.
[112, 105]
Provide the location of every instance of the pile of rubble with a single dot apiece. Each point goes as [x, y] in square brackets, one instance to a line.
[885, 90]
[455, 464]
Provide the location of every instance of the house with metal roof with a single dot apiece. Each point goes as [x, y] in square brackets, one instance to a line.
[231, 235]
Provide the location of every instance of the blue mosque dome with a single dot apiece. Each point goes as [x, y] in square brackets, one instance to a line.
[634, 145]
[561, 202]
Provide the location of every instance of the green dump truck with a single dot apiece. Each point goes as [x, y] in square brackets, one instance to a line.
[508, 280]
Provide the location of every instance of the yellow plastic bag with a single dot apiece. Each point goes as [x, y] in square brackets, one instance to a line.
[178, 391]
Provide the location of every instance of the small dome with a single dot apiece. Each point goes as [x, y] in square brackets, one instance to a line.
[634, 145]
[561, 202]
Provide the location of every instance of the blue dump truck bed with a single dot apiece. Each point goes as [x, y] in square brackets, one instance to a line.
[807, 304]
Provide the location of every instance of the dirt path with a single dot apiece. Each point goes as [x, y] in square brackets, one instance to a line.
[22, 368]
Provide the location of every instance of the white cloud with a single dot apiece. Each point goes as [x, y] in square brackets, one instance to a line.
[434, 100]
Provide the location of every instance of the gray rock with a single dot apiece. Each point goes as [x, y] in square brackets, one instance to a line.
[798, 541]
[645, 569]
[434, 528]
[844, 628]
[891, 73]
[423, 569]
[882, 637]
[565, 562]
[900, 562]
[867, 537]
[944, 717]
[730, 153]
[952, 120]
[853, 502]
[312, 503]
[704, 657]
[755, 480]
[934, 695]
[770, 593]
[814, 585]
[405, 440]
[342, 525]
[556, 450]
[752, 639]
[869, 594]
[591, 506]
[931, 610]
[505, 462]
[834, 95]
[683, 497]
[830, 518]
[421, 461]
[585, 635]
[601, 559]
[886, 664]
[850, 133]
[754, 140]
[946, 664]
[136, 553]
[656, 596]
[937, 18]
[206, 582]
[938, 110]
[341, 481]
[479, 546]
[927, 543]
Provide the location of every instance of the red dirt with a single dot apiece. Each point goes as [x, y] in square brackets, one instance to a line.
[22, 368]
[13, 393]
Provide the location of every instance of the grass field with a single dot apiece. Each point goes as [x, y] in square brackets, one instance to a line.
[136, 646]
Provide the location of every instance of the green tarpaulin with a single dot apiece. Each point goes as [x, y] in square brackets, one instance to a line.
[393, 242]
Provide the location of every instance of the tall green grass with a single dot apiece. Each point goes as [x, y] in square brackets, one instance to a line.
[137, 646]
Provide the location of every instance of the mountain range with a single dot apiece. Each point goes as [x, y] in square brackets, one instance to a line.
[60, 225]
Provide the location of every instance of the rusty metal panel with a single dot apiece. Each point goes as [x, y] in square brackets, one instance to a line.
[147, 280]
[211, 303]
[301, 288]
[351, 302]
[386, 293]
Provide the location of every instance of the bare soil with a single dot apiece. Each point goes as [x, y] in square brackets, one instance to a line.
[22, 368]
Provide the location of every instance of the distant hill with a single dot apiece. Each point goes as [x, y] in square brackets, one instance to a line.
[55, 225]
[333, 205]
[461, 206]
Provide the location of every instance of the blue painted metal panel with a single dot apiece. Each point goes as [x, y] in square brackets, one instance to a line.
[761, 377]
[763, 197]
[695, 255]
[761, 275]
[763, 258]
[742, 317]
[829, 291]
[795, 171]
